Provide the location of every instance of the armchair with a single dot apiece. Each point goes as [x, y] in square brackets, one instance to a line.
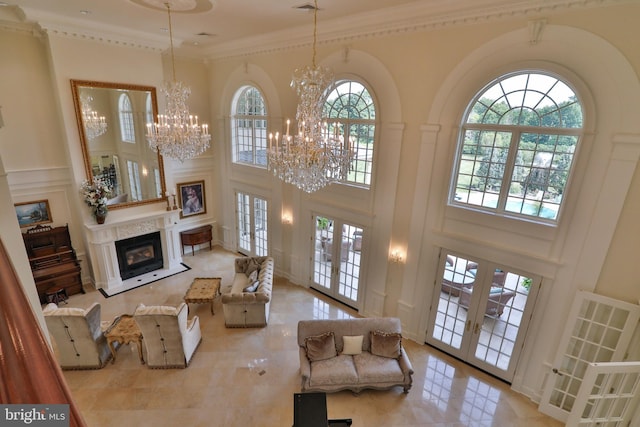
[170, 339]
[78, 336]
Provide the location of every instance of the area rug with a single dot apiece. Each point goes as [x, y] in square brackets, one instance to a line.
[144, 279]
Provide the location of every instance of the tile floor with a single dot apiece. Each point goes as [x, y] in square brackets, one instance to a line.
[247, 377]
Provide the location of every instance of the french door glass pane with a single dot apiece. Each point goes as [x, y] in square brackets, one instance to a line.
[260, 227]
[349, 262]
[336, 267]
[322, 254]
[504, 309]
[244, 222]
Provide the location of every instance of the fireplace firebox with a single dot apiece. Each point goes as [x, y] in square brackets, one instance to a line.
[139, 255]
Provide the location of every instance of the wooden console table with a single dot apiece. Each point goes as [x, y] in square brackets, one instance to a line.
[196, 236]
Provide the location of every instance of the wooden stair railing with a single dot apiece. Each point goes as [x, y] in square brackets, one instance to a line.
[29, 371]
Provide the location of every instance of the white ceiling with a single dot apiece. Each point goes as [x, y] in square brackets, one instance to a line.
[209, 27]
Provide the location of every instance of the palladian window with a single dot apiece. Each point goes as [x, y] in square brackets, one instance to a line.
[517, 146]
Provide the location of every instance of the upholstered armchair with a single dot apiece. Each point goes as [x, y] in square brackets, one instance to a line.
[78, 336]
[169, 338]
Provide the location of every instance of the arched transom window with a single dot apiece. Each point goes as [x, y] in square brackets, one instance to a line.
[350, 105]
[517, 145]
[249, 127]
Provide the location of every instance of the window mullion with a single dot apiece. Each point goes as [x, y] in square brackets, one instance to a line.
[508, 169]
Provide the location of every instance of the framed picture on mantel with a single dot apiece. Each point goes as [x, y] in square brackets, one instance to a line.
[191, 198]
[33, 213]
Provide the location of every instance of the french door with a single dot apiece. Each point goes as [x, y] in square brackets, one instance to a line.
[252, 225]
[337, 252]
[480, 312]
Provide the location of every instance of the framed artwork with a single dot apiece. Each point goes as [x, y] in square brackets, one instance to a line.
[33, 213]
[191, 198]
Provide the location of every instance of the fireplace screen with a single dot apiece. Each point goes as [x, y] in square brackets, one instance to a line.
[139, 255]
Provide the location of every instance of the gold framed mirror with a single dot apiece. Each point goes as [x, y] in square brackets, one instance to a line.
[112, 120]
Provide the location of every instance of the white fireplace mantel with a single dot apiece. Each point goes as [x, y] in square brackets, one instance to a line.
[102, 249]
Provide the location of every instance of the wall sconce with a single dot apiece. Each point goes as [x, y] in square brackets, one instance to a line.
[396, 256]
[286, 219]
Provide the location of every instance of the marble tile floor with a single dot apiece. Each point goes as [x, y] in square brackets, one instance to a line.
[247, 377]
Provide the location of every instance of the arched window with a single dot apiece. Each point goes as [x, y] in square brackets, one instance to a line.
[516, 147]
[249, 127]
[149, 109]
[125, 111]
[350, 104]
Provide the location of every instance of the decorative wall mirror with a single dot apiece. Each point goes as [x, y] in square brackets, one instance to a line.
[112, 120]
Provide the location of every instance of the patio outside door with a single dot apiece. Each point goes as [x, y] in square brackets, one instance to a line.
[336, 267]
[252, 225]
[480, 312]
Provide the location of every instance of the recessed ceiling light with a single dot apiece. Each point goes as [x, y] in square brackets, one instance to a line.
[3, 3]
[85, 12]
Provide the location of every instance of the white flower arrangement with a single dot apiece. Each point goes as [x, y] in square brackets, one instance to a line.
[96, 192]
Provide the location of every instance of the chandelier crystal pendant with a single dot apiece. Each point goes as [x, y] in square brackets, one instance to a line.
[177, 134]
[94, 125]
[317, 154]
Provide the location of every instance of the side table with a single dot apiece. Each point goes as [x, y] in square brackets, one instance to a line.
[203, 291]
[124, 331]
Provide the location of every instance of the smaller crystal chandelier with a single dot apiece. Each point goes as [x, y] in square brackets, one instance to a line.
[94, 125]
[317, 155]
[177, 134]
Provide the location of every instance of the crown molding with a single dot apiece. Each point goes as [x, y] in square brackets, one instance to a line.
[59, 26]
[412, 17]
[407, 18]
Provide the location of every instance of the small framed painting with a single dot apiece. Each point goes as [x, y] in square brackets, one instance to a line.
[33, 213]
[191, 198]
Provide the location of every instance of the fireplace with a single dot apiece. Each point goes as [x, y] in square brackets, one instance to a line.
[139, 255]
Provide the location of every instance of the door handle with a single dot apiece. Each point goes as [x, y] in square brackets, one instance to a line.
[476, 328]
[468, 327]
[555, 371]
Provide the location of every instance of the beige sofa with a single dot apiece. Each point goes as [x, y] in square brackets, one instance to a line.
[249, 308]
[379, 362]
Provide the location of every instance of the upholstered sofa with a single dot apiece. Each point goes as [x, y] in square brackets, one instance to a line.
[246, 304]
[353, 354]
[170, 338]
[78, 336]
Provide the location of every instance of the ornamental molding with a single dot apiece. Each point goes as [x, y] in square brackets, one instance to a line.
[136, 229]
[404, 19]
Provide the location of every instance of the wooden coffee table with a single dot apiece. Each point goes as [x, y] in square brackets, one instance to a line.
[124, 331]
[203, 290]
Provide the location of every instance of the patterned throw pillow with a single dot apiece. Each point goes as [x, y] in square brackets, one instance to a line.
[253, 276]
[252, 287]
[321, 347]
[252, 265]
[386, 344]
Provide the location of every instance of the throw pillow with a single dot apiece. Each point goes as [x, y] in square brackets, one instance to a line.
[253, 276]
[352, 344]
[386, 344]
[253, 287]
[252, 265]
[320, 347]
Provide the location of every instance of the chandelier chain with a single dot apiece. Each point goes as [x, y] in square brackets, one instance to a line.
[177, 134]
[317, 155]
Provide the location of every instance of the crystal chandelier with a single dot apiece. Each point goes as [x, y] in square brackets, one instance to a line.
[94, 125]
[177, 134]
[316, 155]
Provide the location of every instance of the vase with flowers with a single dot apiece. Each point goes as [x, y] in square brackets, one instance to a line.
[96, 193]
